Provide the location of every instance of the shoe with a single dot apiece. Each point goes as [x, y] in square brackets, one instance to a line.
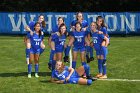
[103, 77]
[98, 75]
[36, 75]
[92, 78]
[66, 59]
[50, 66]
[29, 76]
[91, 58]
[88, 59]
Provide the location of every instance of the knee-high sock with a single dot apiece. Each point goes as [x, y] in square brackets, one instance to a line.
[87, 69]
[100, 61]
[67, 50]
[104, 66]
[36, 68]
[105, 51]
[74, 64]
[53, 64]
[51, 56]
[29, 68]
[41, 50]
[91, 51]
[27, 52]
[83, 63]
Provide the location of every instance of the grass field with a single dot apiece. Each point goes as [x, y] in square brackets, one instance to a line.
[123, 63]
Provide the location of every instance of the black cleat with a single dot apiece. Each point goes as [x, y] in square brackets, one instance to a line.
[91, 58]
[92, 78]
[66, 59]
[50, 66]
[88, 59]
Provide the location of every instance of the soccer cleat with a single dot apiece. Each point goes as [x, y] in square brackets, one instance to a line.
[29, 76]
[98, 75]
[36, 75]
[66, 59]
[92, 78]
[103, 77]
[88, 59]
[50, 66]
[91, 58]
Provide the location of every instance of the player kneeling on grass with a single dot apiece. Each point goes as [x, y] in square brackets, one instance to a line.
[36, 38]
[63, 74]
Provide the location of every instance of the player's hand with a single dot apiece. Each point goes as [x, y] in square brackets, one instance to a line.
[67, 78]
[84, 29]
[100, 32]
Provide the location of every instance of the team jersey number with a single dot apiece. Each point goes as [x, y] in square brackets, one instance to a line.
[94, 41]
[62, 43]
[79, 39]
[36, 43]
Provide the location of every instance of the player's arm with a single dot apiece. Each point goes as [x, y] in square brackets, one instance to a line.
[71, 70]
[106, 41]
[53, 80]
[27, 28]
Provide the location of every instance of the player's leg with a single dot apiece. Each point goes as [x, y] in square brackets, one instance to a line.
[42, 47]
[74, 54]
[59, 56]
[84, 81]
[36, 61]
[31, 59]
[91, 52]
[82, 56]
[28, 46]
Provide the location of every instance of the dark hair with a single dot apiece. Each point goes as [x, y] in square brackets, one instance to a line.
[77, 15]
[103, 22]
[43, 22]
[39, 30]
[60, 29]
[79, 24]
[61, 18]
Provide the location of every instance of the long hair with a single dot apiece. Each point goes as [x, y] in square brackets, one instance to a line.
[77, 15]
[103, 22]
[43, 23]
[61, 18]
[39, 30]
[60, 29]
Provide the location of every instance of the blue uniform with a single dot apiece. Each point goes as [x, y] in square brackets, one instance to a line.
[35, 43]
[79, 40]
[84, 23]
[55, 29]
[62, 76]
[59, 42]
[97, 41]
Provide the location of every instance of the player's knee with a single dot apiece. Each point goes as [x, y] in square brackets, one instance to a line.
[86, 67]
[89, 82]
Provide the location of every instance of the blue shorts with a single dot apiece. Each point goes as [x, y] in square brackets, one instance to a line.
[81, 49]
[73, 80]
[99, 52]
[35, 51]
[59, 49]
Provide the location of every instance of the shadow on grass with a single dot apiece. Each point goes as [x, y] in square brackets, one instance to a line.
[44, 74]
[45, 81]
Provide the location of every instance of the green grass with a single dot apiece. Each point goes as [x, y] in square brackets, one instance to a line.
[123, 63]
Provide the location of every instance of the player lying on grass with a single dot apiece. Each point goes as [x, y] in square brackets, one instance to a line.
[63, 74]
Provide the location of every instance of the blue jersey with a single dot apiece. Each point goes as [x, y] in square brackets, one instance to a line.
[59, 42]
[35, 41]
[97, 39]
[64, 74]
[84, 23]
[79, 38]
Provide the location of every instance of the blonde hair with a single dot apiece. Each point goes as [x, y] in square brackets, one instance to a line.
[62, 66]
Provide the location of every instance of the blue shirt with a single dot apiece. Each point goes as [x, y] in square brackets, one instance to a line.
[36, 41]
[79, 38]
[64, 74]
[97, 39]
[59, 40]
[84, 23]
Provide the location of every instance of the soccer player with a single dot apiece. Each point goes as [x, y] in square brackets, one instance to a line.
[58, 44]
[63, 74]
[29, 28]
[54, 29]
[36, 38]
[78, 39]
[97, 39]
